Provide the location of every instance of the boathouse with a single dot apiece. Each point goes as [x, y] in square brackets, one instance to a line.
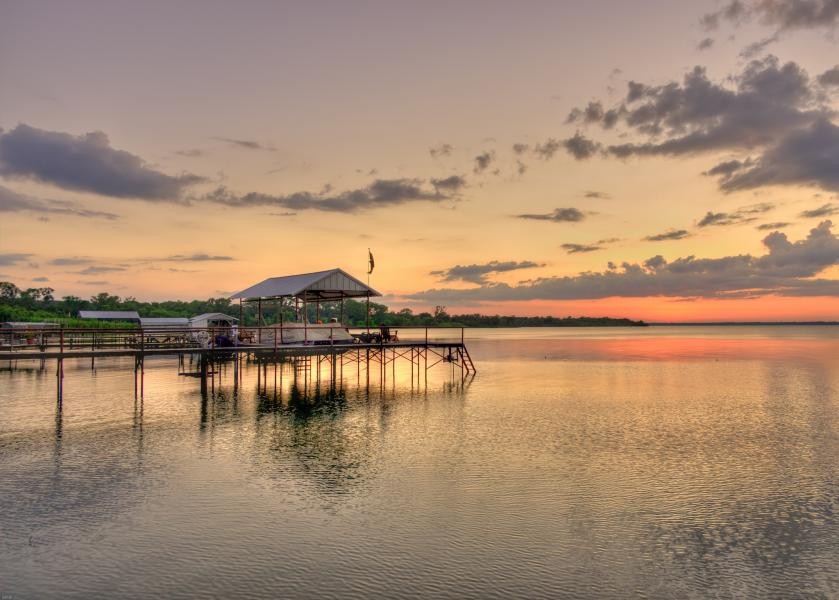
[334, 285]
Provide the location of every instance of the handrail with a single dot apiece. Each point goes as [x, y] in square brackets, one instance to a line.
[64, 338]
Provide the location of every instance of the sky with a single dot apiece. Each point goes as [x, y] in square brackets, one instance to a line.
[655, 160]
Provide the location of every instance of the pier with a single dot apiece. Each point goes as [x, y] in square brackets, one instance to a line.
[364, 348]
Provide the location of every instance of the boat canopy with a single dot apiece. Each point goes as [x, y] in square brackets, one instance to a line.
[323, 286]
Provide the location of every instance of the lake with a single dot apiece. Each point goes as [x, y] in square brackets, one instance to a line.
[660, 462]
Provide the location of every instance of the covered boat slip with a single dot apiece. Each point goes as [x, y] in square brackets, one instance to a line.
[333, 285]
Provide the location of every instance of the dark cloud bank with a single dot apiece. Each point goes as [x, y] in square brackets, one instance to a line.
[11, 201]
[478, 273]
[85, 163]
[770, 108]
[380, 193]
[787, 269]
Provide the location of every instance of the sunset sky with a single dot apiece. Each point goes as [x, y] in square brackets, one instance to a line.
[656, 160]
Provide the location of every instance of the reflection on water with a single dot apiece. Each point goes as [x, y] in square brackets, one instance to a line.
[590, 463]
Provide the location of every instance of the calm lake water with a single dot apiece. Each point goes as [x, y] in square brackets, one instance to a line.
[665, 462]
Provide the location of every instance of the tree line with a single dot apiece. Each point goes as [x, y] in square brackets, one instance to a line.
[41, 305]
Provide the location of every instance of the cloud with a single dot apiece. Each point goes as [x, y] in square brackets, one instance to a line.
[768, 101]
[98, 270]
[580, 248]
[670, 234]
[191, 152]
[786, 269]
[773, 108]
[559, 215]
[381, 193]
[40, 279]
[597, 195]
[11, 201]
[97, 282]
[825, 210]
[705, 43]
[246, 144]
[13, 258]
[547, 150]
[198, 257]
[449, 185]
[441, 150]
[829, 77]
[784, 15]
[478, 273]
[483, 161]
[70, 261]
[771, 226]
[806, 157]
[520, 148]
[745, 214]
[578, 146]
[85, 163]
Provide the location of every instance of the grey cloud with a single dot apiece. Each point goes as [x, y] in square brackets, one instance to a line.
[520, 148]
[521, 168]
[559, 215]
[786, 269]
[825, 210]
[97, 282]
[441, 150]
[733, 11]
[769, 101]
[11, 201]
[13, 258]
[191, 153]
[483, 161]
[98, 270]
[547, 150]
[745, 214]
[580, 147]
[85, 163]
[781, 14]
[756, 48]
[773, 108]
[477, 273]
[380, 193]
[829, 77]
[246, 144]
[597, 195]
[705, 43]
[580, 248]
[672, 234]
[451, 184]
[40, 279]
[806, 157]
[70, 261]
[771, 226]
[198, 257]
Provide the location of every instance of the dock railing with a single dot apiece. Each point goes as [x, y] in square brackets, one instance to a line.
[68, 339]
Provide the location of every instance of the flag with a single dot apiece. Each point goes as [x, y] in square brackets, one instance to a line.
[370, 262]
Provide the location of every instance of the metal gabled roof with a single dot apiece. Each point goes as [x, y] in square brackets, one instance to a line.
[125, 315]
[212, 316]
[333, 284]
